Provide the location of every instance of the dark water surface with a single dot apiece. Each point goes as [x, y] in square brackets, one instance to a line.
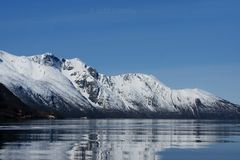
[121, 139]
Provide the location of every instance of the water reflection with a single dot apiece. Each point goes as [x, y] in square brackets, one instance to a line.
[110, 139]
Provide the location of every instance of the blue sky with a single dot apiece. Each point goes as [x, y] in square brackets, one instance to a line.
[185, 43]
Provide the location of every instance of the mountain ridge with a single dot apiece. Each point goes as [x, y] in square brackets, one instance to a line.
[71, 87]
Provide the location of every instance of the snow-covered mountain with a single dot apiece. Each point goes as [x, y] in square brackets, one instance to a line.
[73, 89]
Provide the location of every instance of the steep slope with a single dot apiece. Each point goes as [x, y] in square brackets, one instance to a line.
[13, 108]
[70, 87]
[38, 81]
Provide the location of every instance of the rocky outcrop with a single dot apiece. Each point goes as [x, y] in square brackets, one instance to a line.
[73, 89]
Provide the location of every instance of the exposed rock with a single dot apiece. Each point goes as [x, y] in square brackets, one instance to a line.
[93, 72]
[67, 66]
[75, 89]
[47, 59]
[93, 90]
[198, 102]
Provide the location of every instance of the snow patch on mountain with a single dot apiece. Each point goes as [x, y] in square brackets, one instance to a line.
[39, 80]
[70, 84]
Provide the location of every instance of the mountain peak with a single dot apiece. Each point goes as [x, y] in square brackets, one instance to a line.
[47, 59]
[72, 88]
[48, 54]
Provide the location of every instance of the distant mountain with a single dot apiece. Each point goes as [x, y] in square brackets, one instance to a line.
[71, 88]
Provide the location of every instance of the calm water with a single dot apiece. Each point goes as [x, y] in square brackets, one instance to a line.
[120, 139]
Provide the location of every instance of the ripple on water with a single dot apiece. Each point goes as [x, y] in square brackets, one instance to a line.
[116, 139]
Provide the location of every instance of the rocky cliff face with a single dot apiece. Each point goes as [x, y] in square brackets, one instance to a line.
[74, 89]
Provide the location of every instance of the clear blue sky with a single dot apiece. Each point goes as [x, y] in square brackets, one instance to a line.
[185, 43]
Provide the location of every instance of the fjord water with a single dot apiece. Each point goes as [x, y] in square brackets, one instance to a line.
[120, 139]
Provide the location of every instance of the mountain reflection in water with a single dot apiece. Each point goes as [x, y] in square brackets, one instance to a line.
[114, 139]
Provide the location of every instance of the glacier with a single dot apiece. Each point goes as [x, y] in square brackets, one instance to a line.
[73, 89]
